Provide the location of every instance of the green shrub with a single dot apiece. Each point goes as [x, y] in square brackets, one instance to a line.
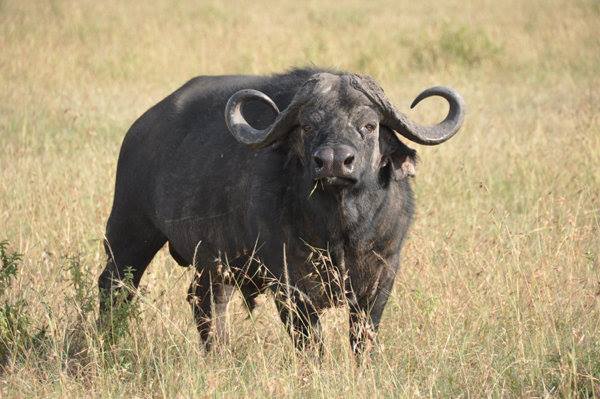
[455, 45]
[16, 331]
[114, 325]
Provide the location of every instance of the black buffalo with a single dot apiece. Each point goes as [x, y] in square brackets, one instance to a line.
[312, 202]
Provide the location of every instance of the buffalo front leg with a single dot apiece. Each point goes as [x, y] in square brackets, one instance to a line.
[209, 296]
[301, 320]
[365, 316]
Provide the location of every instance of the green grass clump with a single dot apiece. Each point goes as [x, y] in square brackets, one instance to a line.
[460, 45]
[18, 333]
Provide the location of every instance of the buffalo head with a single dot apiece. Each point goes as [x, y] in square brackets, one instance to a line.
[344, 129]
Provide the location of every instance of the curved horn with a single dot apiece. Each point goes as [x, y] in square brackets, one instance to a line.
[436, 134]
[428, 135]
[286, 119]
[240, 128]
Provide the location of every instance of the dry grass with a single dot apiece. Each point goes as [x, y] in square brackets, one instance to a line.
[500, 289]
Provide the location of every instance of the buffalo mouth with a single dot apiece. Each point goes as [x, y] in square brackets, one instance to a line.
[336, 181]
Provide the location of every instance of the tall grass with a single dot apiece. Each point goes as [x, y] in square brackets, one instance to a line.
[499, 290]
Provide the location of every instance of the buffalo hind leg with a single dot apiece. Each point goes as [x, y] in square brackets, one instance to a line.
[209, 296]
[129, 246]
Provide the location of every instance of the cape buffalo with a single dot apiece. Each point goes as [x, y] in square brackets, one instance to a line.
[297, 183]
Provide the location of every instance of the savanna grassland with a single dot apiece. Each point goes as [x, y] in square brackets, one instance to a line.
[499, 293]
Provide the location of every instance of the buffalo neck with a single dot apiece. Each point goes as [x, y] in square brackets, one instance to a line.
[357, 218]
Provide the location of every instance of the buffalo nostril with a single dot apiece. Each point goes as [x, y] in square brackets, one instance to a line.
[348, 161]
[323, 158]
[318, 162]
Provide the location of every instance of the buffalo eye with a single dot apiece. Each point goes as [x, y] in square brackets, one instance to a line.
[368, 128]
[306, 128]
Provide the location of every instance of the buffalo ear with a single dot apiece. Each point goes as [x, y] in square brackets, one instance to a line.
[404, 162]
[402, 159]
